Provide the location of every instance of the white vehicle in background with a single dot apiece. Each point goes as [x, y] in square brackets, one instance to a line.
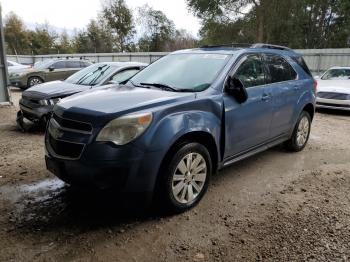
[333, 89]
[15, 67]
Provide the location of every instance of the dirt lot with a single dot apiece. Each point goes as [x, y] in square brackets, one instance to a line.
[274, 206]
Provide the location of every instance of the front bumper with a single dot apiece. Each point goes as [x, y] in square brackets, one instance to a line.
[333, 104]
[100, 165]
[33, 111]
[18, 82]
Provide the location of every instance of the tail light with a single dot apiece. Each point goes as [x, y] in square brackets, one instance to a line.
[315, 85]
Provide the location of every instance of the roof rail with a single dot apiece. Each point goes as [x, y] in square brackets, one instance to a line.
[246, 45]
[261, 45]
[233, 45]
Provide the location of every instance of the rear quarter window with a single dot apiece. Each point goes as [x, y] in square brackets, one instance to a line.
[301, 62]
[279, 70]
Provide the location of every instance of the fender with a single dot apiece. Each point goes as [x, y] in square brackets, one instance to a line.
[307, 97]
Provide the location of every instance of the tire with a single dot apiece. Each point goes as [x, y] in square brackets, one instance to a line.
[34, 80]
[180, 193]
[300, 134]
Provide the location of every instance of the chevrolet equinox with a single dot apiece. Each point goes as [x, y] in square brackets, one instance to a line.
[182, 118]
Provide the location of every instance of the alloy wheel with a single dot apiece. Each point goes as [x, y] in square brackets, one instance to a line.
[189, 178]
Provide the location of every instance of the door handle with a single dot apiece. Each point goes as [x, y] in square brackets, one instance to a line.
[265, 97]
[296, 88]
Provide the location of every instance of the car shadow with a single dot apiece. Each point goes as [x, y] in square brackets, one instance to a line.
[333, 112]
[51, 206]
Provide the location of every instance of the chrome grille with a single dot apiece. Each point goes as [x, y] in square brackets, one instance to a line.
[333, 95]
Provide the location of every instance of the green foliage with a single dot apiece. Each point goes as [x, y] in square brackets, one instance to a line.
[16, 35]
[296, 23]
[119, 20]
[112, 31]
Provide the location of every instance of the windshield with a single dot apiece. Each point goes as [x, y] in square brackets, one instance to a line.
[337, 74]
[42, 65]
[190, 72]
[91, 75]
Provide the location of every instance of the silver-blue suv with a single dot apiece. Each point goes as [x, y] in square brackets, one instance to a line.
[182, 118]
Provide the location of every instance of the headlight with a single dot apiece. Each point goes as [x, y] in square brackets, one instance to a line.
[50, 102]
[19, 74]
[125, 129]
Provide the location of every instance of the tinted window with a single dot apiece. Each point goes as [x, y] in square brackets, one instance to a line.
[279, 69]
[300, 61]
[251, 72]
[59, 65]
[73, 64]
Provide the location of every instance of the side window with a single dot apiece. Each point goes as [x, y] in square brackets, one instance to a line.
[59, 65]
[279, 69]
[251, 72]
[73, 64]
[124, 75]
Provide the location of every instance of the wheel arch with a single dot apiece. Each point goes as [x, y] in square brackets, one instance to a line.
[310, 109]
[201, 137]
[37, 76]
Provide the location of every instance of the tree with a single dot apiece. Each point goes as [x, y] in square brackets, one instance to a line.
[119, 19]
[296, 23]
[157, 30]
[64, 44]
[228, 11]
[43, 40]
[16, 35]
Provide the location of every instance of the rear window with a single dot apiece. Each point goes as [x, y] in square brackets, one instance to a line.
[301, 62]
[279, 69]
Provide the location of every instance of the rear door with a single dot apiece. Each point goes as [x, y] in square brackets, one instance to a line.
[71, 68]
[285, 89]
[248, 124]
[57, 73]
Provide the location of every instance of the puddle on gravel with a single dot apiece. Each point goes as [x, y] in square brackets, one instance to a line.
[50, 203]
[38, 191]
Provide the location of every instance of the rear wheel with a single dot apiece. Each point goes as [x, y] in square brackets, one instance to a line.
[186, 176]
[300, 134]
[34, 80]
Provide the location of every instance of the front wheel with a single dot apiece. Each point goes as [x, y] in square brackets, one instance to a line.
[300, 134]
[186, 177]
[35, 80]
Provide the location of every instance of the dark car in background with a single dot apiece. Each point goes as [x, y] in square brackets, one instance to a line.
[180, 119]
[45, 71]
[37, 102]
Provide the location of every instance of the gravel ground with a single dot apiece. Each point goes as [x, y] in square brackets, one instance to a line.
[274, 206]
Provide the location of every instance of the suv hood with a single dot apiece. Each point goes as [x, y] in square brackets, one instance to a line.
[104, 103]
[53, 89]
[338, 86]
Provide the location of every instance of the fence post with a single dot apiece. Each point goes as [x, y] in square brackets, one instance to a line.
[150, 58]
[319, 63]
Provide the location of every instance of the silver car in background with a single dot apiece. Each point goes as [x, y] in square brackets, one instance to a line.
[333, 89]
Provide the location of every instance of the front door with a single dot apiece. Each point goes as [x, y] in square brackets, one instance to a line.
[248, 124]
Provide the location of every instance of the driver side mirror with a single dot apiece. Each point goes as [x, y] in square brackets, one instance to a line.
[235, 88]
[51, 68]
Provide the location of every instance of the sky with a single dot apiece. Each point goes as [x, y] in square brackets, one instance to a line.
[71, 14]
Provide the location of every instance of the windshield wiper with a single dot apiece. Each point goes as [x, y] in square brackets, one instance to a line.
[162, 86]
[82, 79]
[133, 83]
